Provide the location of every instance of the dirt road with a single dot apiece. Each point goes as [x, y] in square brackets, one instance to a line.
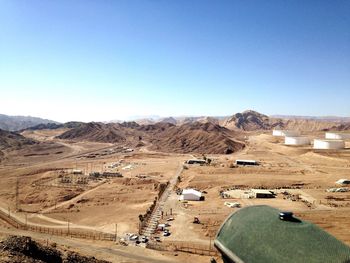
[105, 251]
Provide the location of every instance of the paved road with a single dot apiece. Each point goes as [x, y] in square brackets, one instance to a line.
[157, 213]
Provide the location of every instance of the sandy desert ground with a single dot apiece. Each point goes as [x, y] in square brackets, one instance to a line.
[114, 204]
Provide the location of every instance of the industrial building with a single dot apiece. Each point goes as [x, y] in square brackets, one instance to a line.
[261, 193]
[337, 136]
[324, 144]
[191, 195]
[246, 162]
[299, 140]
[195, 161]
[281, 133]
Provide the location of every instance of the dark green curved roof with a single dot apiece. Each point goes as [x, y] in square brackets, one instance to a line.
[255, 234]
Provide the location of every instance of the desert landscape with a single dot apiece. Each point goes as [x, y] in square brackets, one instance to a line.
[120, 184]
[174, 131]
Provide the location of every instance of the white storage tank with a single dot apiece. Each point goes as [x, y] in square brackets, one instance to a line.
[337, 136]
[281, 133]
[295, 140]
[329, 144]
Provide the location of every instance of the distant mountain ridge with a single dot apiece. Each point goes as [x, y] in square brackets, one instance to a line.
[319, 118]
[251, 121]
[17, 123]
[53, 126]
[162, 136]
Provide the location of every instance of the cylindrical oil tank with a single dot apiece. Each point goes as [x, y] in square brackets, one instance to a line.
[329, 144]
[295, 140]
[337, 136]
[285, 133]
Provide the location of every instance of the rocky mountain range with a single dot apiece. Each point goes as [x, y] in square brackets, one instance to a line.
[251, 120]
[181, 135]
[16, 123]
[195, 137]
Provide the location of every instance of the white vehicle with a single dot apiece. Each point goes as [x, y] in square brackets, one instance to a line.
[232, 205]
[133, 237]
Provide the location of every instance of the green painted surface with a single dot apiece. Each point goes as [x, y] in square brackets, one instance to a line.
[256, 235]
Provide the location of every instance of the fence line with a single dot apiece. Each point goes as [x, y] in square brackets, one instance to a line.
[193, 248]
[85, 234]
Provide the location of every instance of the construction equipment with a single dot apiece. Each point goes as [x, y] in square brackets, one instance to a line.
[196, 220]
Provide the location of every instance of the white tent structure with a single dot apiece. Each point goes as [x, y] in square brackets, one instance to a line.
[329, 144]
[337, 136]
[296, 140]
[190, 195]
[281, 133]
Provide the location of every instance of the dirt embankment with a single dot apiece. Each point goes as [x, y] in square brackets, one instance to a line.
[24, 249]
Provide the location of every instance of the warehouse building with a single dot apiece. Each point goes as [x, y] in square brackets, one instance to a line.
[246, 162]
[195, 161]
[262, 193]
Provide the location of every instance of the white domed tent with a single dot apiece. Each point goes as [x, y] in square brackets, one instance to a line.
[329, 144]
[191, 195]
[296, 140]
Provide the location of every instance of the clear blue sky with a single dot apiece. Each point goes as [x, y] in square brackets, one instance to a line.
[109, 59]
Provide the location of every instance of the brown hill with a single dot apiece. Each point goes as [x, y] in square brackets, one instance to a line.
[13, 140]
[169, 120]
[97, 132]
[339, 127]
[248, 121]
[196, 138]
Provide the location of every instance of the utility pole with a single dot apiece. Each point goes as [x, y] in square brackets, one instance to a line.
[116, 232]
[209, 241]
[17, 194]
[68, 226]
